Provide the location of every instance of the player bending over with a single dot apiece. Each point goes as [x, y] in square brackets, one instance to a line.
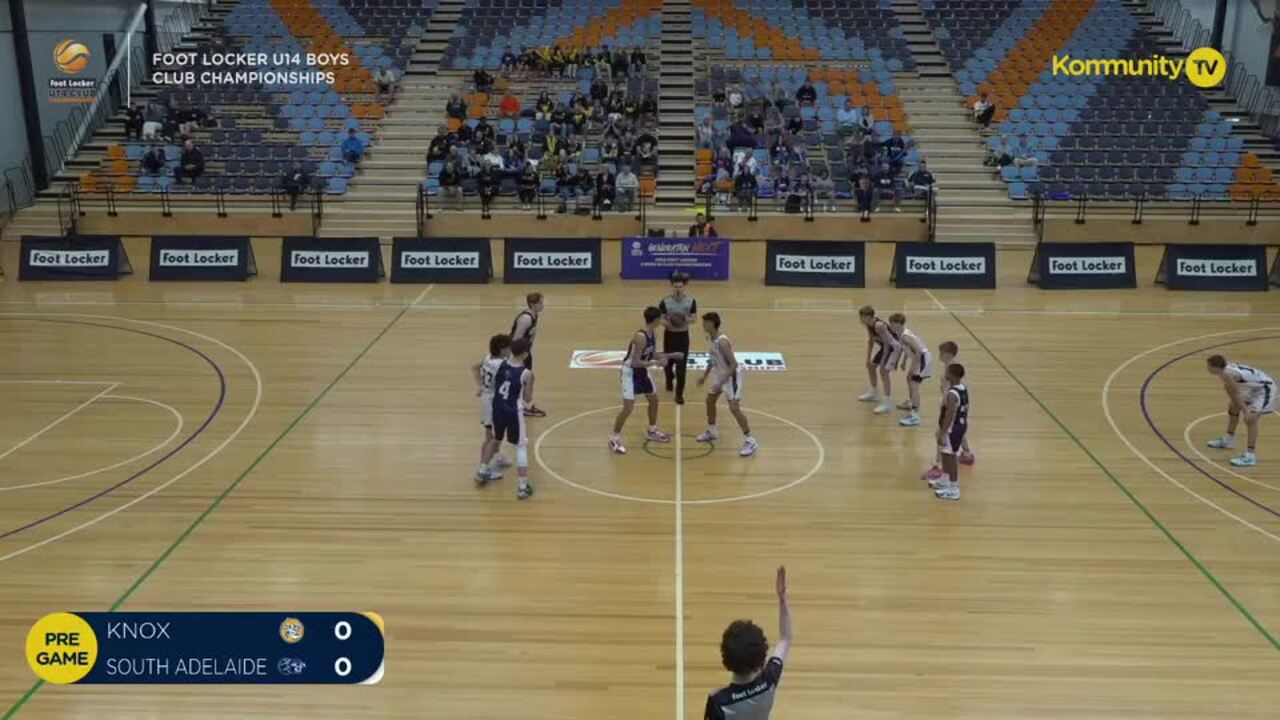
[726, 379]
[513, 387]
[744, 650]
[883, 350]
[952, 426]
[525, 327]
[492, 463]
[640, 357]
[1249, 390]
[947, 352]
[919, 367]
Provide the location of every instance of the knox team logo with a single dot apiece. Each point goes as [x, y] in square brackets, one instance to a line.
[71, 56]
[292, 630]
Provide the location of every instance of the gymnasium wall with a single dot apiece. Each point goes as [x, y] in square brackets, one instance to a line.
[1247, 37]
[13, 141]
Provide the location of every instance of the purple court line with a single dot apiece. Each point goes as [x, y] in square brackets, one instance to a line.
[1143, 400]
[217, 408]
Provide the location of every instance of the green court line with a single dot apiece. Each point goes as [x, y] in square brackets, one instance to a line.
[217, 502]
[1125, 489]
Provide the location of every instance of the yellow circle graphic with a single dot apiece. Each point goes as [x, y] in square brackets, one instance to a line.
[71, 57]
[1206, 67]
[292, 630]
[61, 648]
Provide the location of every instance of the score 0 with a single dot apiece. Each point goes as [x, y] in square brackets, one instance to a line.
[342, 631]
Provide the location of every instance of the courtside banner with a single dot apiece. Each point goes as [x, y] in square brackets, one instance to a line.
[646, 258]
[816, 264]
[1213, 267]
[612, 360]
[309, 259]
[1062, 266]
[441, 260]
[945, 265]
[87, 257]
[202, 258]
[552, 260]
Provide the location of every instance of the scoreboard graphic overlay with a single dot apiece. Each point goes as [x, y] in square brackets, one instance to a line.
[229, 648]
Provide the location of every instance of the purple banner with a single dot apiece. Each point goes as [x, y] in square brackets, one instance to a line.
[656, 258]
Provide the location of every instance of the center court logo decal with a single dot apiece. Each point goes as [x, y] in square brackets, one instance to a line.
[612, 360]
[1205, 67]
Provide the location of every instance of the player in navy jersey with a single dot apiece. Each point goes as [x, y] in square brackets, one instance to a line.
[947, 353]
[953, 423]
[1251, 392]
[525, 327]
[485, 372]
[883, 351]
[513, 386]
[744, 650]
[641, 355]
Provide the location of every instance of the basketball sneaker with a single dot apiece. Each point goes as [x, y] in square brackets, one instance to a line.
[950, 491]
[940, 481]
[615, 444]
[967, 457]
[868, 396]
[1226, 442]
[882, 408]
[749, 447]
[656, 435]
[501, 462]
[535, 411]
[932, 473]
[904, 405]
[1248, 459]
[524, 492]
[708, 435]
[484, 476]
[911, 420]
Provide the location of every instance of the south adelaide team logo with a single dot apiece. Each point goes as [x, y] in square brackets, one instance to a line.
[71, 56]
[292, 630]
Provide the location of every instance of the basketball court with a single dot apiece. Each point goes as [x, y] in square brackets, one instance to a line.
[310, 447]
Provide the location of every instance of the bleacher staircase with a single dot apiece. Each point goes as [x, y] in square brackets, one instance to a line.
[675, 106]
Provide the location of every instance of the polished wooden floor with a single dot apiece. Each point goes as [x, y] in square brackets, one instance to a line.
[312, 450]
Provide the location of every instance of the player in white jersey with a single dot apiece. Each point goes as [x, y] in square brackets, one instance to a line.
[919, 364]
[883, 351]
[492, 463]
[1250, 391]
[726, 375]
[947, 353]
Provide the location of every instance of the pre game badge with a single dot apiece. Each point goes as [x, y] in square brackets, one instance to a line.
[61, 648]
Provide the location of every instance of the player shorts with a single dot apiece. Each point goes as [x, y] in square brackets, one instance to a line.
[509, 427]
[636, 382]
[1261, 400]
[486, 411]
[921, 368]
[886, 358]
[955, 440]
[732, 388]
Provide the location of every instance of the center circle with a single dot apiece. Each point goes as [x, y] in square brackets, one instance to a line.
[818, 452]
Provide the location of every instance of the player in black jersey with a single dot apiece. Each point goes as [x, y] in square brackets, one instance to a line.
[953, 424]
[756, 671]
[641, 355]
[525, 327]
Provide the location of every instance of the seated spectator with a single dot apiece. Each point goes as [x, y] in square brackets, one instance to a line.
[544, 107]
[154, 163]
[438, 150]
[566, 184]
[865, 196]
[866, 122]
[745, 186]
[528, 186]
[705, 132]
[702, 228]
[620, 63]
[483, 133]
[806, 95]
[1023, 156]
[983, 111]
[585, 185]
[886, 183]
[735, 100]
[848, 117]
[456, 108]
[647, 148]
[921, 181]
[740, 136]
[609, 149]
[352, 148]
[294, 183]
[755, 117]
[451, 181]
[627, 185]
[509, 60]
[798, 195]
[649, 106]
[778, 95]
[599, 89]
[386, 79]
[483, 80]
[135, 118]
[606, 190]
[152, 130]
[638, 60]
[487, 181]
[494, 159]
[190, 164]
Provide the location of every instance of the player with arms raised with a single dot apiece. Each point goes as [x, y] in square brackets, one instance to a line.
[640, 357]
[744, 650]
[1250, 391]
[727, 379]
[953, 423]
[485, 372]
[883, 350]
[919, 366]
[513, 386]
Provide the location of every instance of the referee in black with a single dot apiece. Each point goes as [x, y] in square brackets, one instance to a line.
[678, 311]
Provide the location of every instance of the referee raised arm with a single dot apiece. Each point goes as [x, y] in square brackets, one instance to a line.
[678, 311]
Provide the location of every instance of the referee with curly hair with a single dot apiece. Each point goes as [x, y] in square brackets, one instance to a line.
[744, 650]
